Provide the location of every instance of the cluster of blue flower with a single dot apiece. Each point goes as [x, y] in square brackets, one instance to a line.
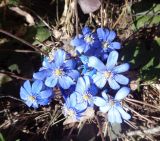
[84, 80]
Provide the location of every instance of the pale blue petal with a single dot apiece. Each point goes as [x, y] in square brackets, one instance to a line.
[86, 30]
[115, 45]
[27, 86]
[46, 94]
[121, 79]
[80, 86]
[59, 57]
[73, 100]
[122, 93]
[99, 80]
[123, 113]
[81, 48]
[112, 60]
[77, 41]
[24, 94]
[65, 82]
[114, 116]
[98, 101]
[35, 104]
[87, 82]
[106, 108]
[105, 96]
[96, 63]
[28, 103]
[74, 74]
[113, 84]
[81, 106]
[41, 75]
[51, 81]
[102, 33]
[111, 36]
[37, 86]
[121, 68]
[69, 64]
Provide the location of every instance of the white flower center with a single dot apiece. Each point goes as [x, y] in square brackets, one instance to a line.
[58, 72]
[105, 44]
[89, 39]
[107, 74]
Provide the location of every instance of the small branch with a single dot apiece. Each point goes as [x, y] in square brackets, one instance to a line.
[140, 102]
[22, 41]
[14, 75]
[11, 97]
[144, 132]
[76, 14]
[99, 126]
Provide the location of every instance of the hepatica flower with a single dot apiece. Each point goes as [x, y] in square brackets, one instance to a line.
[35, 94]
[109, 72]
[59, 72]
[86, 41]
[72, 110]
[84, 92]
[106, 37]
[112, 106]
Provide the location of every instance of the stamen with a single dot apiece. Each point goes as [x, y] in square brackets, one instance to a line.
[105, 44]
[89, 39]
[31, 98]
[58, 72]
[107, 74]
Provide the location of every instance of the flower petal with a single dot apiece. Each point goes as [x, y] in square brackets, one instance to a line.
[37, 86]
[86, 30]
[105, 96]
[113, 84]
[98, 101]
[23, 94]
[114, 116]
[99, 80]
[96, 63]
[77, 41]
[80, 86]
[123, 113]
[121, 68]
[46, 94]
[69, 64]
[27, 86]
[122, 93]
[29, 103]
[81, 48]
[111, 36]
[115, 45]
[74, 74]
[121, 79]
[105, 108]
[81, 106]
[65, 82]
[112, 60]
[59, 57]
[51, 81]
[102, 33]
[73, 100]
[41, 75]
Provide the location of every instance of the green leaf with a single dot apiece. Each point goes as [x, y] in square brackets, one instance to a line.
[42, 34]
[14, 67]
[14, 2]
[1, 137]
[145, 14]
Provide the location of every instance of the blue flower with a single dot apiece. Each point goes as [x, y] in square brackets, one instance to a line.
[110, 72]
[84, 92]
[86, 42]
[59, 72]
[70, 108]
[86, 70]
[35, 94]
[106, 37]
[113, 105]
